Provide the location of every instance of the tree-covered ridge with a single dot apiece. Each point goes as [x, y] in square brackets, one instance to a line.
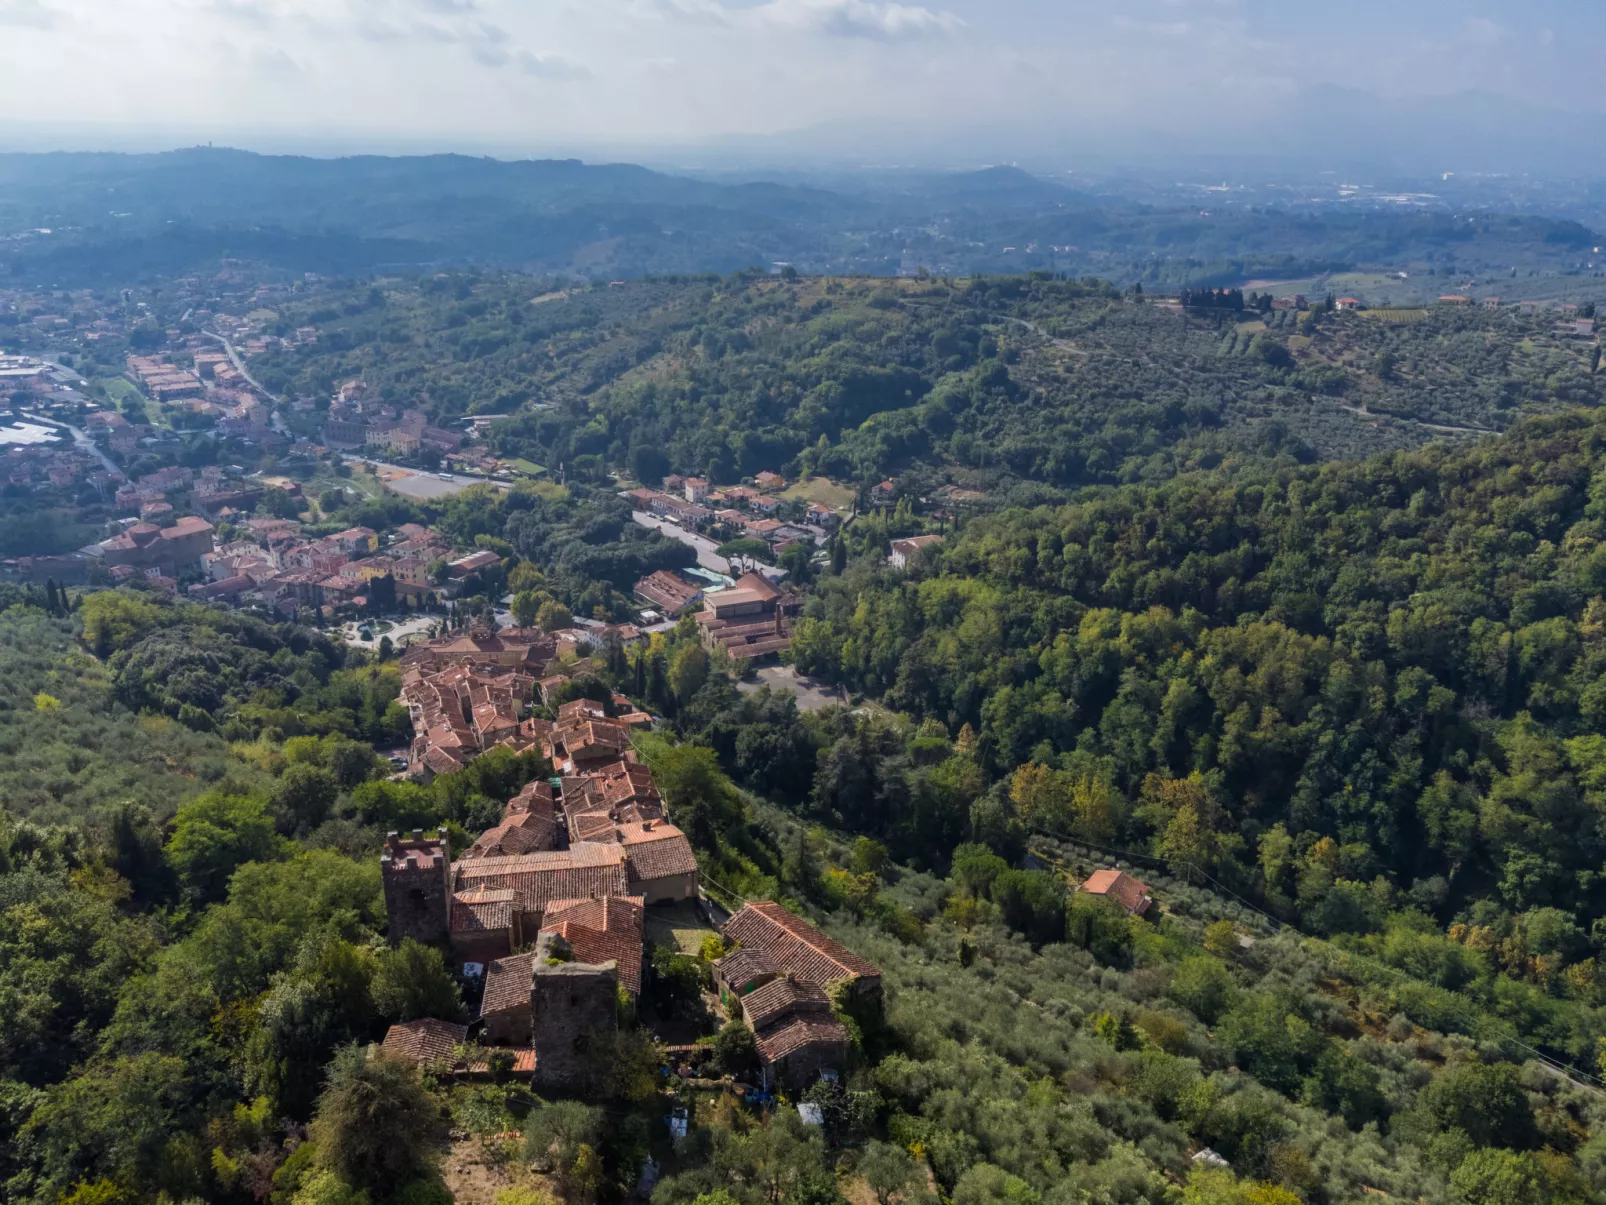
[1062, 382]
[1345, 688]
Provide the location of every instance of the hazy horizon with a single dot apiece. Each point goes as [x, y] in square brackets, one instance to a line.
[954, 82]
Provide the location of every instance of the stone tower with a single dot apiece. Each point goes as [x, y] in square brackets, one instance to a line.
[574, 1006]
[417, 874]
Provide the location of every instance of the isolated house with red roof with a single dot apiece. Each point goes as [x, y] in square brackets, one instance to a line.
[1122, 888]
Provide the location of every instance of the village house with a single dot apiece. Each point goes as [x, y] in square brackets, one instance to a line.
[906, 552]
[748, 621]
[779, 977]
[669, 593]
[1120, 887]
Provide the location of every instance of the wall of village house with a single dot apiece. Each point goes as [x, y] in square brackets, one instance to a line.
[485, 946]
[668, 888]
[802, 1068]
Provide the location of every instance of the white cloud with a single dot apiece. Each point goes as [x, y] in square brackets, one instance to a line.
[548, 66]
[29, 14]
[275, 64]
[1485, 32]
[856, 18]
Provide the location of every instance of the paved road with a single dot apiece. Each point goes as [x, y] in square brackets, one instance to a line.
[78, 437]
[239, 364]
[274, 420]
[706, 556]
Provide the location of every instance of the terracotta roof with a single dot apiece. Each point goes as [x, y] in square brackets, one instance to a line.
[796, 946]
[742, 968]
[482, 911]
[782, 997]
[668, 591]
[1120, 887]
[507, 984]
[522, 835]
[523, 1061]
[803, 1032]
[534, 794]
[591, 826]
[424, 1041]
[585, 870]
[656, 850]
[603, 930]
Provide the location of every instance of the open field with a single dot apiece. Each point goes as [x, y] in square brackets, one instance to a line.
[823, 491]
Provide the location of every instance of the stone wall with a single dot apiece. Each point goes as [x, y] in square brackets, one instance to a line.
[417, 876]
[574, 1008]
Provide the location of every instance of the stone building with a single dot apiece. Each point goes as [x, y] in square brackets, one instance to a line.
[794, 947]
[417, 881]
[174, 550]
[797, 1037]
[562, 1007]
[778, 977]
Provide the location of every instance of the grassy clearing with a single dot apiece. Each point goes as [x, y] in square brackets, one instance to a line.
[118, 388]
[823, 491]
[679, 928]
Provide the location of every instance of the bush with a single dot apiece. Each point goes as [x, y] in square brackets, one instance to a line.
[735, 1049]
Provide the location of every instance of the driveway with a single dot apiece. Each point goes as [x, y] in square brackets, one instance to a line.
[703, 545]
[812, 695]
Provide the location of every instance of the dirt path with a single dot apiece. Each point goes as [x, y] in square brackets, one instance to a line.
[1363, 412]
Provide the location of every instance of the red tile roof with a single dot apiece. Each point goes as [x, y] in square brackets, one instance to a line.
[803, 1032]
[1120, 887]
[424, 1041]
[743, 967]
[579, 873]
[796, 946]
[656, 850]
[507, 984]
[513, 837]
[482, 911]
[603, 930]
[783, 997]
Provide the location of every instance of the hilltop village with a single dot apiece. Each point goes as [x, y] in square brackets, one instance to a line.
[548, 907]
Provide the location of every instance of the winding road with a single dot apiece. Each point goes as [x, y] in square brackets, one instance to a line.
[238, 361]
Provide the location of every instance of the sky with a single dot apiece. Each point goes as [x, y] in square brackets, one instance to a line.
[545, 76]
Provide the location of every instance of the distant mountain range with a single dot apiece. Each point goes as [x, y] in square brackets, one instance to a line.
[108, 218]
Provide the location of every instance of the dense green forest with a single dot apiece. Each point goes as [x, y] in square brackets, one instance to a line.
[1365, 695]
[1004, 380]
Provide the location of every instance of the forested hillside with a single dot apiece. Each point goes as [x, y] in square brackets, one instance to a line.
[1355, 692]
[1000, 379]
[1359, 695]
